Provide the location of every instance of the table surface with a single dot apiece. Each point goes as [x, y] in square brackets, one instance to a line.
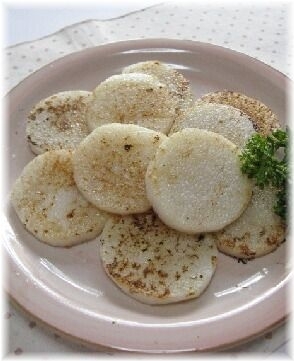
[26, 25]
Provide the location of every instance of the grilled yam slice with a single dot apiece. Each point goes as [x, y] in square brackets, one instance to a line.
[153, 263]
[177, 84]
[110, 166]
[218, 118]
[132, 99]
[49, 204]
[262, 117]
[257, 232]
[58, 122]
[195, 184]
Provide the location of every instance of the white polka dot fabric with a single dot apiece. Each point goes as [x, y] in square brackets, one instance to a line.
[261, 31]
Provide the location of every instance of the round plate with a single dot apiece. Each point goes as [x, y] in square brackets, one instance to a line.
[68, 289]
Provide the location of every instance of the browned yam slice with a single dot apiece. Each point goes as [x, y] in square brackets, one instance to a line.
[195, 183]
[154, 263]
[177, 84]
[257, 232]
[58, 121]
[49, 204]
[262, 117]
[110, 166]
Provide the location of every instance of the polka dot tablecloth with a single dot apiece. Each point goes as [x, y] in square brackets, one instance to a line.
[258, 29]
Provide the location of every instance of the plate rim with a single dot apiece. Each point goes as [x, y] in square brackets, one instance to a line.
[157, 43]
[97, 346]
[160, 43]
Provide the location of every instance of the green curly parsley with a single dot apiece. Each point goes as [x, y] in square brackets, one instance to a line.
[266, 160]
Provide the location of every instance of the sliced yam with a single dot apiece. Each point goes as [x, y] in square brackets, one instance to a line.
[218, 118]
[110, 166]
[132, 98]
[153, 263]
[177, 84]
[195, 184]
[49, 204]
[58, 122]
[257, 232]
[262, 117]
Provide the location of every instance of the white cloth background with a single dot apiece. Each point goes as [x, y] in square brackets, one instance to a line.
[257, 29]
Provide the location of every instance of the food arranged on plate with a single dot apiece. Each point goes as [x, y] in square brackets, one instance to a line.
[162, 180]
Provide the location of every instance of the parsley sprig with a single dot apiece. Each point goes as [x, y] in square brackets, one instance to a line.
[265, 158]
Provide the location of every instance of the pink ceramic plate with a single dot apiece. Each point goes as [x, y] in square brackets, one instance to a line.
[67, 288]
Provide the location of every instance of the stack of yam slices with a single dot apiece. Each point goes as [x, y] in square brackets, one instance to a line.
[258, 231]
[154, 174]
[58, 131]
